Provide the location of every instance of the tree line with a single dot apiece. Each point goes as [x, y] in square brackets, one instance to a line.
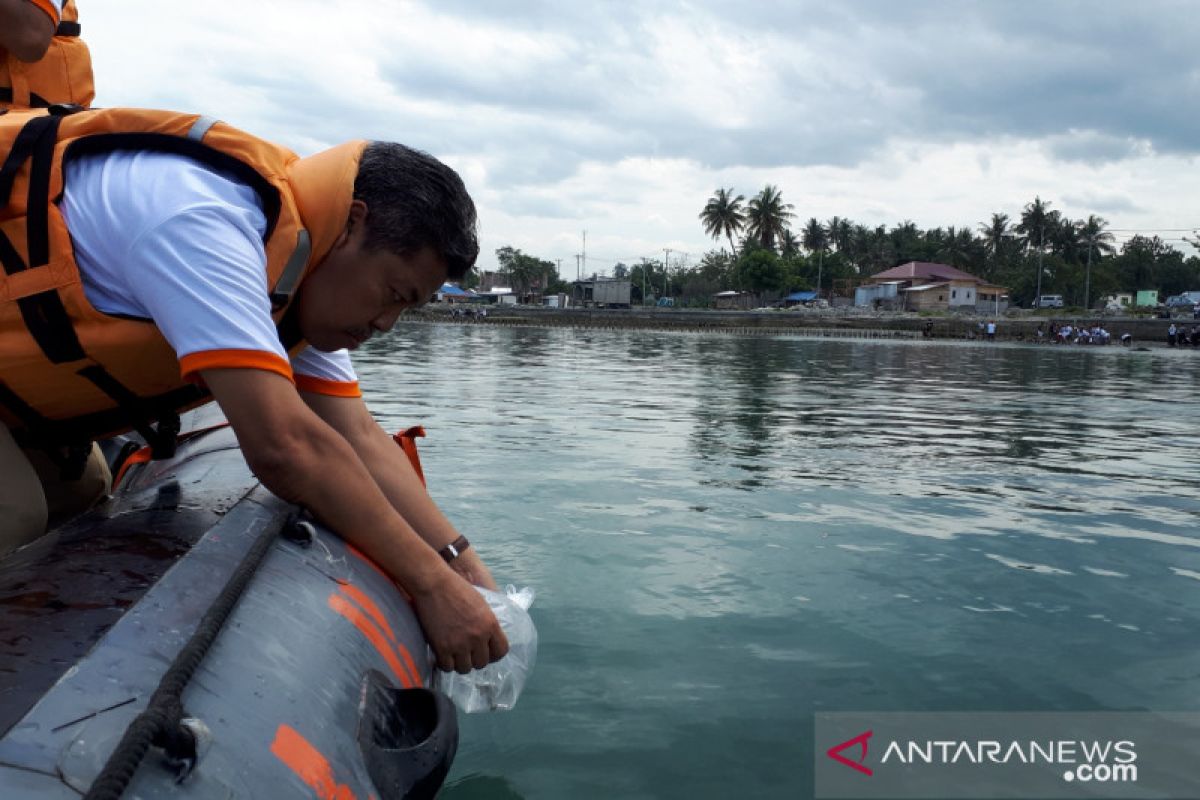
[1041, 252]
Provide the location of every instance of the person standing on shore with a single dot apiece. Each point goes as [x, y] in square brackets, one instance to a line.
[43, 61]
[991, 330]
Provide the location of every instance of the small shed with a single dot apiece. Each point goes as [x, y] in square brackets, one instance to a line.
[732, 300]
[797, 298]
[874, 293]
[928, 296]
[449, 293]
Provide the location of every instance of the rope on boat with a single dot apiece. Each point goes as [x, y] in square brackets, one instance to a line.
[159, 725]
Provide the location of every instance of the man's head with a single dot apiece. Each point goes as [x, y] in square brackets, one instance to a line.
[411, 227]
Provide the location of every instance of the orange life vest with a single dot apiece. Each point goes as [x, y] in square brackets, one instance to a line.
[63, 75]
[69, 373]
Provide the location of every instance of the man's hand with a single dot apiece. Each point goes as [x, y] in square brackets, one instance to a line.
[302, 460]
[462, 638]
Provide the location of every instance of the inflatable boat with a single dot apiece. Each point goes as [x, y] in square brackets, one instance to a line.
[196, 637]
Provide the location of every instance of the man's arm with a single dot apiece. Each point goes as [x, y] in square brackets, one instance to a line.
[303, 460]
[394, 474]
[25, 29]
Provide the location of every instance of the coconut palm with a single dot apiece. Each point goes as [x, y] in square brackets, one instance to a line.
[789, 244]
[996, 236]
[1094, 237]
[767, 216]
[957, 247]
[816, 240]
[840, 230]
[724, 214]
[1034, 220]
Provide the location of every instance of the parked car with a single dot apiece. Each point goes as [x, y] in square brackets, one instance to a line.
[1184, 300]
[1050, 301]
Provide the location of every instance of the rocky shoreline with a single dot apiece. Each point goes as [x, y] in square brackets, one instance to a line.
[829, 322]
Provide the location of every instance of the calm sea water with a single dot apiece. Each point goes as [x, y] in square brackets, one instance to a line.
[728, 534]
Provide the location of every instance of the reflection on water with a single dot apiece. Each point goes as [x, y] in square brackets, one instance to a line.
[730, 533]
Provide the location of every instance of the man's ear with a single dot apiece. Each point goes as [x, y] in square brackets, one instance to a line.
[355, 224]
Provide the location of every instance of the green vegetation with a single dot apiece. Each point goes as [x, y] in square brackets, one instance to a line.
[1041, 252]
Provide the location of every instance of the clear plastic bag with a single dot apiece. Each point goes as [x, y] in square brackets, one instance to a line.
[497, 686]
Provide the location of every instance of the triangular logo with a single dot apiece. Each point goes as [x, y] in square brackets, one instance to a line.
[835, 753]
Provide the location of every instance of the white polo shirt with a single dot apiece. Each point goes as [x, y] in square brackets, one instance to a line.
[164, 237]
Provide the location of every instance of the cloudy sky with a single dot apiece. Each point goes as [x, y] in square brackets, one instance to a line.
[622, 118]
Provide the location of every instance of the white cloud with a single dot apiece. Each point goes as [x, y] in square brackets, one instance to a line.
[622, 118]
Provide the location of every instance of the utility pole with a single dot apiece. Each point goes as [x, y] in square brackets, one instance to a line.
[583, 255]
[666, 271]
[1087, 281]
[577, 273]
[1037, 298]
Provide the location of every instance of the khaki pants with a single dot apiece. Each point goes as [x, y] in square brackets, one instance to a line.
[32, 494]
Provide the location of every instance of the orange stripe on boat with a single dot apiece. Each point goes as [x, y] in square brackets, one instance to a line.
[364, 625]
[364, 600]
[309, 765]
[368, 605]
[408, 662]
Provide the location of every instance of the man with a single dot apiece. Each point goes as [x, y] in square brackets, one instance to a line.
[42, 59]
[173, 259]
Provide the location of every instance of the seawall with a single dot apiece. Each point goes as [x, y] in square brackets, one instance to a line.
[837, 323]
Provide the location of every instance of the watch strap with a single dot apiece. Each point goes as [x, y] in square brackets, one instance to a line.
[454, 549]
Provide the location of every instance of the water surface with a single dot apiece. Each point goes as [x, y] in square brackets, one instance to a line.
[730, 533]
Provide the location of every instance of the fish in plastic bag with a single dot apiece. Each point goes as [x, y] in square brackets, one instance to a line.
[497, 686]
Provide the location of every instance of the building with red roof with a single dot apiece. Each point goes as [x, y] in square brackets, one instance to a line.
[926, 285]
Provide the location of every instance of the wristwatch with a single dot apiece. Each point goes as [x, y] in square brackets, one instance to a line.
[454, 549]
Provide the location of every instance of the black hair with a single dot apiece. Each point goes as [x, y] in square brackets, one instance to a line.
[414, 201]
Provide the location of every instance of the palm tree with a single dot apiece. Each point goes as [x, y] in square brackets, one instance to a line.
[1092, 233]
[1034, 219]
[789, 245]
[957, 247]
[996, 236]
[724, 214]
[767, 216]
[816, 240]
[840, 230]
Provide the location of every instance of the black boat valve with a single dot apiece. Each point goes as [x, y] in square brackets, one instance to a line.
[299, 531]
[184, 746]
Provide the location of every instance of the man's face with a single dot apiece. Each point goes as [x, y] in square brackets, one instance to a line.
[355, 292]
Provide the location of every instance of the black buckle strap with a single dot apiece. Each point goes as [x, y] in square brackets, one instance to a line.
[68, 29]
[37, 219]
[43, 313]
[22, 150]
[163, 438]
[289, 279]
[35, 99]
